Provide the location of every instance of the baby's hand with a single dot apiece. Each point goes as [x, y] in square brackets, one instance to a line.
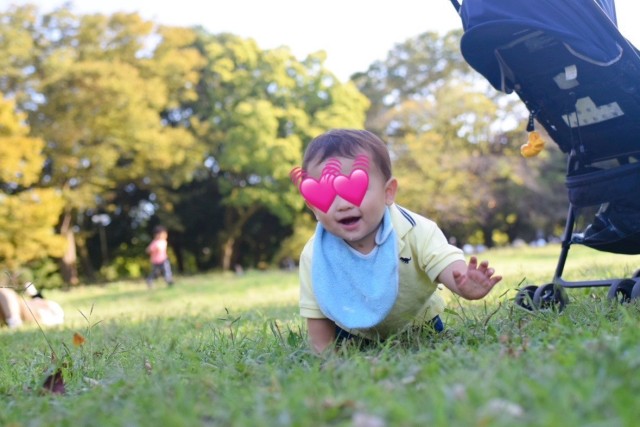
[478, 280]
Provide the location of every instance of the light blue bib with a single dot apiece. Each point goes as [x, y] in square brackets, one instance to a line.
[355, 291]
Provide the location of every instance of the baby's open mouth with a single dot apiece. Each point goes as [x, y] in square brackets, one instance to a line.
[350, 220]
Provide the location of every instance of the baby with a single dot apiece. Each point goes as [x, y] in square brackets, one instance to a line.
[372, 267]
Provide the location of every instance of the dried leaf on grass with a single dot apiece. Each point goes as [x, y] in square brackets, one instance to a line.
[78, 339]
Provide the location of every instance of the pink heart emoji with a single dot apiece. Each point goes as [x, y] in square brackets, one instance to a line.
[352, 188]
[318, 193]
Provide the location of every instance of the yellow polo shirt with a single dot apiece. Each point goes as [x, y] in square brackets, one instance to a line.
[423, 251]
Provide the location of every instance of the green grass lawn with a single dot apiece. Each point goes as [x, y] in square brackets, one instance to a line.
[226, 350]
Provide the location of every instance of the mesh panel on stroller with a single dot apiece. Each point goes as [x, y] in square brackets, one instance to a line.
[580, 79]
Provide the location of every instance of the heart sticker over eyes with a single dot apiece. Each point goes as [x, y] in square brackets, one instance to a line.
[321, 193]
[318, 193]
[352, 188]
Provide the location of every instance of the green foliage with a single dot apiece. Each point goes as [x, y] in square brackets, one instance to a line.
[28, 214]
[124, 267]
[21, 159]
[28, 226]
[45, 272]
[500, 238]
[18, 46]
[258, 109]
[103, 123]
[103, 92]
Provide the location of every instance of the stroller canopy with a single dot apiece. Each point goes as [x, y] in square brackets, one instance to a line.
[576, 73]
[579, 23]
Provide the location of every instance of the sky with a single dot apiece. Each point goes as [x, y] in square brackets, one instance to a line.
[354, 33]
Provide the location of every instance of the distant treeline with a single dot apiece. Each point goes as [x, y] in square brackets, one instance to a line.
[112, 124]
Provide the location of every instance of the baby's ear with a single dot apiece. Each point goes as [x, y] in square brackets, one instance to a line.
[390, 190]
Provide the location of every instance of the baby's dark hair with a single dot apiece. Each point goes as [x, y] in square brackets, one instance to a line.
[348, 143]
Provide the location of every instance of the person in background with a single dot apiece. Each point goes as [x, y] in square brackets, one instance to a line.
[372, 268]
[159, 258]
[17, 310]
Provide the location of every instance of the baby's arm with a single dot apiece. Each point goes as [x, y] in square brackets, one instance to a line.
[322, 333]
[471, 281]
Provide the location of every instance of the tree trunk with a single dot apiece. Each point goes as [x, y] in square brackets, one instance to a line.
[488, 237]
[176, 243]
[227, 253]
[234, 226]
[85, 260]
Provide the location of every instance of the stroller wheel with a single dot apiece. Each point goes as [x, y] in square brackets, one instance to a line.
[622, 291]
[524, 297]
[549, 297]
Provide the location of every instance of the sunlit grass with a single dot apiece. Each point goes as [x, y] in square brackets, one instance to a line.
[207, 294]
[538, 264]
[213, 294]
[227, 350]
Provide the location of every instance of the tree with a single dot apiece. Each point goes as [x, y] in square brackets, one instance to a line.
[28, 213]
[18, 52]
[413, 70]
[102, 95]
[259, 108]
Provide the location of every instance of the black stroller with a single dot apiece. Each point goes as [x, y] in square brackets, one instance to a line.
[580, 79]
